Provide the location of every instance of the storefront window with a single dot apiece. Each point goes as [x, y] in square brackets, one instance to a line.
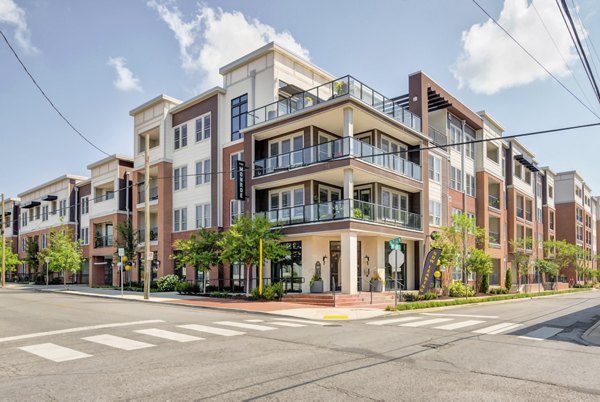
[289, 269]
[390, 269]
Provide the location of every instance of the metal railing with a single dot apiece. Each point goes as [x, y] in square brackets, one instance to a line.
[528, 216]
[103, 241]
[142, 195]
[109, 195]
[343, 209]
[520, 212]
[494, 201]
[153, 234]
[346, 85]
[339, 148]
[437, 136]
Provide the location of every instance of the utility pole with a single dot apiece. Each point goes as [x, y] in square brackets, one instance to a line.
[3, 246]
[147, 261]
[464, 191]
[127, 189]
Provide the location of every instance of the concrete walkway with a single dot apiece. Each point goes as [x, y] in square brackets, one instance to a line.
[265, 307]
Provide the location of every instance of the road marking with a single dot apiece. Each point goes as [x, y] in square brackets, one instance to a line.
[173, 336]
[425, 322]
[254, 320]
[117, 342]
[54, 352]
[542, 333]
[335, 317]
[78, 329]
[245, 326]
[498, 328]
[460, 324]
[287, 324]
[461, 315]
[302, 321]
[393, 321]
[211, 330]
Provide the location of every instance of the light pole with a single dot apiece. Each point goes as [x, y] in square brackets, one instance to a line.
[47, 259]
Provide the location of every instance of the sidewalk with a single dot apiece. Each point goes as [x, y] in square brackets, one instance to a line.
[264, 307]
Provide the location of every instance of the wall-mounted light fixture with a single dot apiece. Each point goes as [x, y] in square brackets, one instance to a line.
[367, 259]
[324, 259]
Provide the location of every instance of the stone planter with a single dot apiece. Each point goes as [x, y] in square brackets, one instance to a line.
[377, 286]
[316, 287]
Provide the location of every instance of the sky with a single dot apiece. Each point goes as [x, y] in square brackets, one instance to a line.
[97, 60]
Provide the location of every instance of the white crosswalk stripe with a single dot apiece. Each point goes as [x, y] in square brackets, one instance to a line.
[497, 329]
[425, 322]
[172, 336]
[542, 333]
[287, 324]
[393, 321]
[211, 330]
[53, 352]
[460, 324]
[118, 342]
[254, 320]
[245, 325]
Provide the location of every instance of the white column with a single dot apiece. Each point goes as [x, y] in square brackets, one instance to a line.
[349, 188]
[348, 263]
[348, 130]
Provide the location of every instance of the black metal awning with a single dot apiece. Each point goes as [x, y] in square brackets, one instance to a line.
[528, 163]
[31, 204]
[50, 198]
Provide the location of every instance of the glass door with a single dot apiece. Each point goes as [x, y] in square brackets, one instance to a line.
[335, 248]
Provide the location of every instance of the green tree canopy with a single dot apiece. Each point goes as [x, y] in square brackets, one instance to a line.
[562, 253]
[547, 267]
[128, 239]
[201, 251]
[11, 260]
[63, 252]
[480, 263]
[32, 249]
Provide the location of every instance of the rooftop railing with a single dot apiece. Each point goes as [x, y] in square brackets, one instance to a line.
[339, 148]
[329, 91]
[341, 210]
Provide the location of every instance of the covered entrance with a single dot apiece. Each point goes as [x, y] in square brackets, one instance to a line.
[289, 270]
[335, 249]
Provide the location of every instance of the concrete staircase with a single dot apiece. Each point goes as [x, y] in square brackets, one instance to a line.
[362, 299]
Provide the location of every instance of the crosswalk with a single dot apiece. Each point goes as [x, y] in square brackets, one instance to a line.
[455, 322]
[181, 334]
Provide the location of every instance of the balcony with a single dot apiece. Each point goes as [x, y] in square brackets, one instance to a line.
[528, 216]
[103, 241]
[337, 149]
[494, 238]
[342, 210]
[346, 85]
[108, 195]
[520, 213]
[494, 201]
[153, 234]
[153, 194]
[437, 137]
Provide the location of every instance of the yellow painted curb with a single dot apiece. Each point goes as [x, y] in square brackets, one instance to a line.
[335, 317]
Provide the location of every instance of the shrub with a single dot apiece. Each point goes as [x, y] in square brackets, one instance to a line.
[412, 297]
[508, 279]
[167, 283]
[430, 296]
[254, 293]
[498, 291]
[458, 289]
[182, 287]
[485, 284]
[195, 288]
[273, 291]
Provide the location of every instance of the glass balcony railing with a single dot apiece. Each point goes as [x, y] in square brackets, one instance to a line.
[103, 241]
[153, 234]
[340, 148]
[346, 85]
[437, 137]
[528, 216]
[108, 195]
[153, 194]
[494, 201]
[520, 213]
[341, 210]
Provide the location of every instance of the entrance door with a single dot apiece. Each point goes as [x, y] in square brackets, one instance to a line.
[390, 269]
[335, 248]
[108, 271]
[289, 269]
[359, 266]
[328, 197]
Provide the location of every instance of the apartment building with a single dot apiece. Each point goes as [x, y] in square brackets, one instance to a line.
[548, 203]
[11, 227]
[576, 222]
[43, 208]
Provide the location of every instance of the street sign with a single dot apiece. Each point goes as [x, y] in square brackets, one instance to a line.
[121, 252]
[151, 255]
[396, 255]
[395, 243]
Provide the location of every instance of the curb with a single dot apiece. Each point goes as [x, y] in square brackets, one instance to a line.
[587, 338]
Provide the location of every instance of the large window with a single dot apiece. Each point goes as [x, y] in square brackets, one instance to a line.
[236, 208]
[180, 178]
[455, 136]
[45, 212]
[238, 156]
[62, 208]
[203, 216]
[435, 168]
[203, 127]
[85, 236]
[180, 219]
[180, 136]
[203, 172]
[239, 116]
[286, 203]
[435, 213]
[289, 269]
[470, 185]
[455, 178]
[85, 206]
[493, 152]
[469, 148]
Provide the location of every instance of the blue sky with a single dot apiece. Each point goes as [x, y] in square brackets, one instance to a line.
[75, 49]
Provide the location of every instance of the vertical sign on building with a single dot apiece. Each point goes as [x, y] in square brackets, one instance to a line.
[429, 269]
[240, 180]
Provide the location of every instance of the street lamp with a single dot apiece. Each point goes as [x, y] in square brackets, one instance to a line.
[47, 259]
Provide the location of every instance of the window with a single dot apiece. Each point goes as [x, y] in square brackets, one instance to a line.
[45, 213]
[85, 236]
[202, 216]
[286, 203]
[85, 205]
[492, 152]
[238, 156]
[180, 219]
[53, 211]
[181, 136]
[435, 213]
[44, 240]
[37, 213]
[239, 116]
[518, 170]
[579, 214]
[24, 244]
[527, 177]
[470, 185]
[62, 208]
[457, 274]
[469, 148]
[578, 192]
[579, 233]
[455, 178]
[203, 172]
[236, 208]
[539, 215]
[24, 219]
[455, 136]
[286, 151]
[550, 192]
[203, 127]
[435, 168]
[180, 178]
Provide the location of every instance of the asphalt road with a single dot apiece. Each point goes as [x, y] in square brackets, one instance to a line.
[64, 347]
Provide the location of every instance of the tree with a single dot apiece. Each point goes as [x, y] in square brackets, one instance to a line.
[11, 260]
[32, 250]
[521, 250]
[128, 239]
[201, 251]
[452, 240]
[480, 263]
[240, 244]
[508, 279]
[546, 267]
[562, 253]
[64, 253]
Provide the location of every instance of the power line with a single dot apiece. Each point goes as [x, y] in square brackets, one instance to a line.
[48, 99]
[588, 39]
[536, 60]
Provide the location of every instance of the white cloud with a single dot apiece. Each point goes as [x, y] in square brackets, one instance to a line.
[13, 15]
[213, 38]
[125, 81]
[491, 61]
